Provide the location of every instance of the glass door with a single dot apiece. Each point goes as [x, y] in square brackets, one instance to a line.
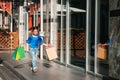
[103, 39]
[71, 22]
[71, 32]
[77, 32]
[61, 31]
[90, 36]
[97, 37]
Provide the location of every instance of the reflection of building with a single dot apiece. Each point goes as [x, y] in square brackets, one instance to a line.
[6, 38]
[5, 14]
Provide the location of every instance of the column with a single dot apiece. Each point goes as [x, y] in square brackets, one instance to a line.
[97, 25]
[41, 27]
[67, 32]
[88, 30]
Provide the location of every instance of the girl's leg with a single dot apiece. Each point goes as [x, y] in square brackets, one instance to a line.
[36, 52]
[33, 55]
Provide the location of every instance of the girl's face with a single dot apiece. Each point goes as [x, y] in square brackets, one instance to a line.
[35, 31]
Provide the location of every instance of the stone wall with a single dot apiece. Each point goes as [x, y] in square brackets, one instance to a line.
[114, 34]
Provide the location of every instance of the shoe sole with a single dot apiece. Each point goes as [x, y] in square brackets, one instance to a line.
[35, 70]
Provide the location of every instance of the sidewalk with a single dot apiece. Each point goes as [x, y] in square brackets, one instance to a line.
[47, 70]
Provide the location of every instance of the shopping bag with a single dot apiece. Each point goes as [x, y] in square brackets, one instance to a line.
[51, 53]
[14, 54]
[18, 53]
[102, 53]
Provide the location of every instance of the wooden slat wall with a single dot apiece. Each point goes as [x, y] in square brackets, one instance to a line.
[9, 41]
[77, 43]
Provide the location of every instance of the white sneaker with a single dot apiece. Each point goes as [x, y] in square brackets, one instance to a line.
[35, 69]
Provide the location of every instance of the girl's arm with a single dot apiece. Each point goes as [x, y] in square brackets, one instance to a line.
[28, 40]
[41, 41]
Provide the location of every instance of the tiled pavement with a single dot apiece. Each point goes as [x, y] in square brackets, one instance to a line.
[47, 70]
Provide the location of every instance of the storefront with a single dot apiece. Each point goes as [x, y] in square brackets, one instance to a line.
[76, 28]
[73, 27]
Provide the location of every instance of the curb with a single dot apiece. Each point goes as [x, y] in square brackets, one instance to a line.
[13, 70]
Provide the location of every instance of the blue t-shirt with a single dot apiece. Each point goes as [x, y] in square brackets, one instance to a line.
[34, 40]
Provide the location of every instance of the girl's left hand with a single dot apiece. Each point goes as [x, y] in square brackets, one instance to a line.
[22, 44]
[45, 44]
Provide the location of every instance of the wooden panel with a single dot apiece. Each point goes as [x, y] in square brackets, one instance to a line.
[9, 40]
[77, 43]
[77, 40]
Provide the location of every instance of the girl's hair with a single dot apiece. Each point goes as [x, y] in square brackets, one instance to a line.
[34, 28]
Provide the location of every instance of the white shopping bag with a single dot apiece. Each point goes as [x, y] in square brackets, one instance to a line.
[51, 53]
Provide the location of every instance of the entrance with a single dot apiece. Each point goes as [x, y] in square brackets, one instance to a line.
[97, 36]
[71, 32]
[77, 32]
[81, 25]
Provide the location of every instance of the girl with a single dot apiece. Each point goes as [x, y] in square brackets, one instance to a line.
[33, 40]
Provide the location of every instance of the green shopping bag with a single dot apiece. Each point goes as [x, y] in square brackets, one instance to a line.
[18, 53]
[14, 54]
